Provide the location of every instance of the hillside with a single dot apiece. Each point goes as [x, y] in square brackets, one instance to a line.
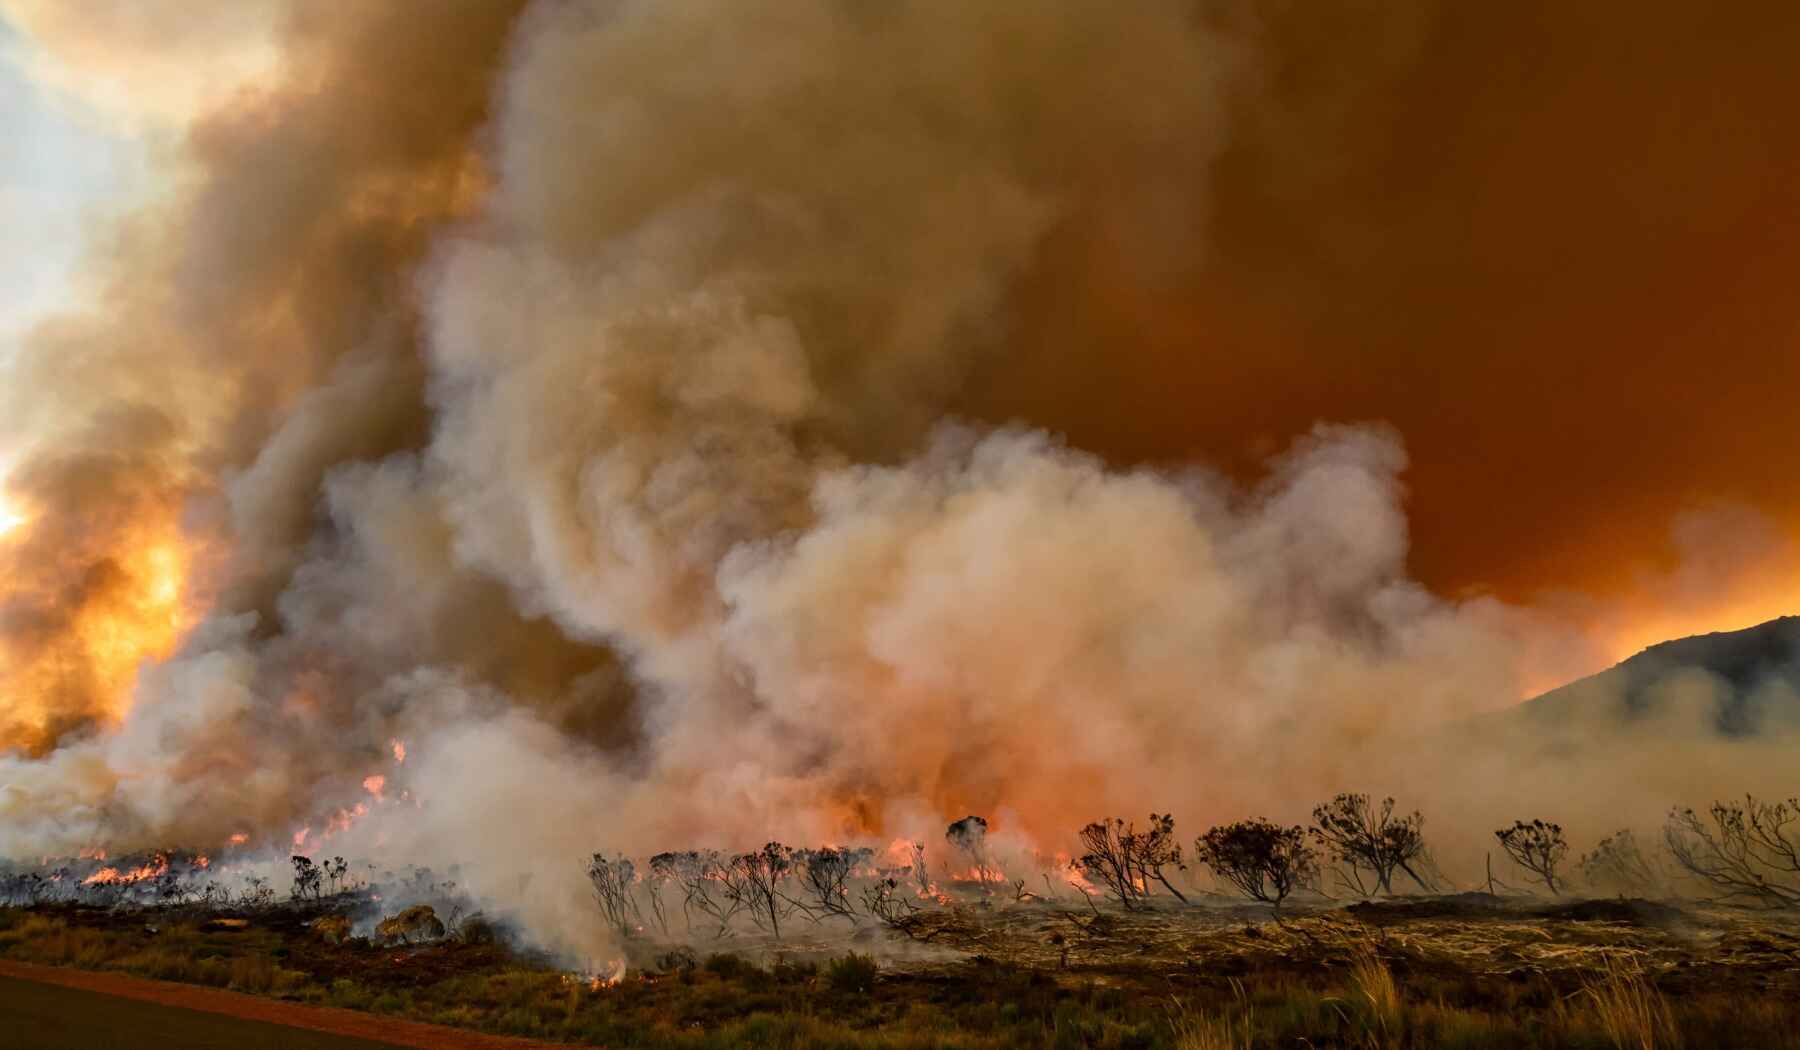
[1747, 678]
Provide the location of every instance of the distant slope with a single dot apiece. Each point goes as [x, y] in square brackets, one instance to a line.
[1755, 674]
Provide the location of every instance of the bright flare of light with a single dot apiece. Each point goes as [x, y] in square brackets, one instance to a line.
[1630, 638]
[136, 607]
[10, 519]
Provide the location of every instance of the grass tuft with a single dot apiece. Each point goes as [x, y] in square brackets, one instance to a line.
[1623, 1003]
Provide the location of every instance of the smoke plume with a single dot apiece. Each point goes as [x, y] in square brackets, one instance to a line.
[560, 413]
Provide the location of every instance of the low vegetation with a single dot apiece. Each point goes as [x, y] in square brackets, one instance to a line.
[1125, 945]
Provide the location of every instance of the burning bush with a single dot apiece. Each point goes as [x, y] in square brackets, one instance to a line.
[1155, 849]
[969, 836]
[1125, 860]
[1264, 860]
[825, 875]
[1107, 861]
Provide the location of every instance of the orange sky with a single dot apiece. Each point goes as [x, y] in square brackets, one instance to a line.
[1555, 246]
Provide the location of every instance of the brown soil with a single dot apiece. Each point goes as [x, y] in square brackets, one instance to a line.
[293, 1015]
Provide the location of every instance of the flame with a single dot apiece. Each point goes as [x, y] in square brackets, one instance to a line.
[399, 747]
[1073, 875]
[106, 613]
[342, 819]
[107, 876]
[10, 518]
[238, 838]
[374, 784]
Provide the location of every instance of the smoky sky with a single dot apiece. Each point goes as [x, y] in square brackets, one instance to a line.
[712, 421]
[1553, 245]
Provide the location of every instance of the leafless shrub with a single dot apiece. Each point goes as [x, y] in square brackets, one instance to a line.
[256, 894]
[1538, 847]
[888, 900]
[663, 871]
[825, 876]
[921, 875]
[1361, 836]
[1747, 852]
[701, 876]
[1153, 850]
[1617, 864]
[1264, 860]
[307, 878]
[753, 882]
[969, 835]
[612, 880]
[1109, 862]
[334, 871]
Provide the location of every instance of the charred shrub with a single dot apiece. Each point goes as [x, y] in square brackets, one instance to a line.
[611, 879]
[1748, 852]
[1108, 862]
[1265, 861]
[1153, 850]
[825, 875]
[308, 879]
[754, 883]
[1538, 847]
[969, 836]
[1618, 865]
[1370, 842]
[1126, 861]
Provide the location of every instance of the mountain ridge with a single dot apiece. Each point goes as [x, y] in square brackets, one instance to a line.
[1754, 676]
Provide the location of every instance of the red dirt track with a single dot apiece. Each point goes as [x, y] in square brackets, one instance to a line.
[326, 1019]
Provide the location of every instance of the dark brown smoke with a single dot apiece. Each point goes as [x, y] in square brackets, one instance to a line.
[1551, 245]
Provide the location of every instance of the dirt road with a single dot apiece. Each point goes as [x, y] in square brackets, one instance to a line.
[50, 1008]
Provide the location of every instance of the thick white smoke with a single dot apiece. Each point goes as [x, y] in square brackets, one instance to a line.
[682, 548]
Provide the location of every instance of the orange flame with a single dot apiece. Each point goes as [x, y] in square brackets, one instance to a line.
[105, 615]
[108, 876]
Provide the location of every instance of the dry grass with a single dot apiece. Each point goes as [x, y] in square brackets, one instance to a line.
[1376, 992]
[1231, 1029]
[1622, 1003]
